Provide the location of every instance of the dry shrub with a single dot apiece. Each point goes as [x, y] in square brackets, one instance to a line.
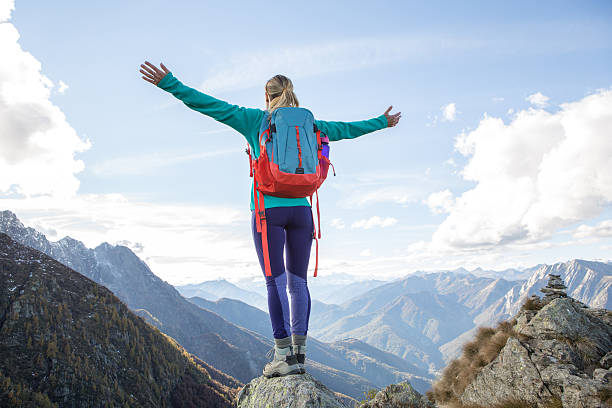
[515, 403]
[532, 304]
[491, 349]
[505, 326]
[554, 402]
[484, 333]
[475, 355]
[590, 354]
[511, 403]
[605, 394]
[470, 349]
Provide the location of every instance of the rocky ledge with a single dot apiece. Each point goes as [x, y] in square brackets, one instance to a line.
[560, 354]
[290, 391]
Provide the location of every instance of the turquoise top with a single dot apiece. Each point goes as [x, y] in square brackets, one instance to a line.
[246, 121]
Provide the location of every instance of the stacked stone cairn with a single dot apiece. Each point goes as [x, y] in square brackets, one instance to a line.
[554, 289]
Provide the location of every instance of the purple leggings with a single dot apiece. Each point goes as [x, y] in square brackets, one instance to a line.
[289, 229]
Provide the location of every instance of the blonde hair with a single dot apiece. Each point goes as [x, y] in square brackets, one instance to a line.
[280, 93]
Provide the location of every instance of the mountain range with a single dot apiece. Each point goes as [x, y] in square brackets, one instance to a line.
[426, 317]
[235, 350]
[349, 355]
[221, 288]
[418, 322]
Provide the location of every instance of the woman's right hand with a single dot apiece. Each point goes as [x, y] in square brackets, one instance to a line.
[392, 119]
[153, 74]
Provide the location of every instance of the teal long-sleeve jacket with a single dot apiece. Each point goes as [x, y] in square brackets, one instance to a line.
[246, 121]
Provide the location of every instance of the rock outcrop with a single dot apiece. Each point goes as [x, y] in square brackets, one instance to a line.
[290, 391]
[561, 353]
[400, 395]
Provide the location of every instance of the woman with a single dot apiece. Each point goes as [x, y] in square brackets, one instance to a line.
[290, 221]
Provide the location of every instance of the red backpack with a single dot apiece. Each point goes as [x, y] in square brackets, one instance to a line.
[293, 162]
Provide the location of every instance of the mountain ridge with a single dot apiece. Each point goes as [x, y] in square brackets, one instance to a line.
[70, 341]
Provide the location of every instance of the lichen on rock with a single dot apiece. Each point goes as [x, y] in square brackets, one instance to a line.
[290, 391]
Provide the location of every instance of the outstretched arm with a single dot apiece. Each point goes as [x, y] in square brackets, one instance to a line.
[350, 130]
[240, 118]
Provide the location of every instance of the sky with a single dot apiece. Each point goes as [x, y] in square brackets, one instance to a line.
[502, 157]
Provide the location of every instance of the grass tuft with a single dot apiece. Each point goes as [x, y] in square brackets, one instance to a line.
[476, 354]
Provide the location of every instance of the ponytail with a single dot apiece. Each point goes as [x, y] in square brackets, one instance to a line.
[280, 93]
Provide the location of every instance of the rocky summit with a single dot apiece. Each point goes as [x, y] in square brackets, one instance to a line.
[559, 355]
[400, 395]
[290, 391]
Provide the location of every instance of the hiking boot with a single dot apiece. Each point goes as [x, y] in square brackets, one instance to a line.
[300, 354]
[284, 362]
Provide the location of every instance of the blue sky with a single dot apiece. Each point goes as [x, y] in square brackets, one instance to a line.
[501, 157]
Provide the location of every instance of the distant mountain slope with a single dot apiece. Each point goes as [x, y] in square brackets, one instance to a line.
[374, 366]
[587, 281]
[220, 288]
[411, 317]
[330, 289]
[233, 350]
[237, 312]
[67, 340]
[425, 318]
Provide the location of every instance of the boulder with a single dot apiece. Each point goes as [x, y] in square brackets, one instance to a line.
[563, 320]
[290, 391]
[562, 353]
[606, 361]
[400, 395]
[511, 376]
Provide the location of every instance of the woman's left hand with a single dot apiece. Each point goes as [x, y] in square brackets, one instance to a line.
[153, 74]
[392, 119]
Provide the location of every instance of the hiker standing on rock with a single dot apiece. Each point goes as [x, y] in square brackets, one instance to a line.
[285, 220]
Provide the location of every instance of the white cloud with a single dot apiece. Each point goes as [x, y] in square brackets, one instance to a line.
[136, 247]
[37, 145]
[449, 112]
[497, 99]
[374, 221]
[451, 162]
[337, 223]
[384, 186]
[431, 120]
[62, 87]
[248, 69]
[440, 202]
[366, 252]
[539, 173]
[394, 194]
[179, 242]
[601, 230]
[6, 7]
[537, 99]
[147, 163]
